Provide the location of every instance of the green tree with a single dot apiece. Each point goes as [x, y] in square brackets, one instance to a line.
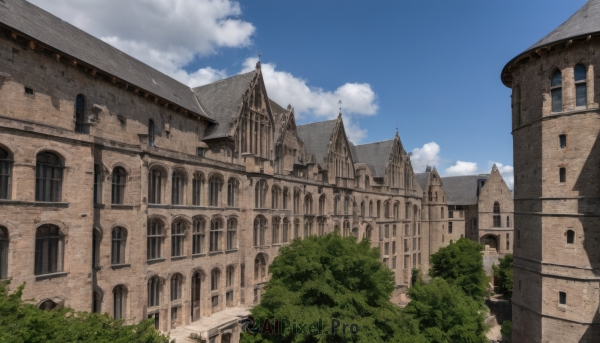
[461, 264]
[504, 273]
[320, 278]
[21, 322]
[442, 313]
[506, 331]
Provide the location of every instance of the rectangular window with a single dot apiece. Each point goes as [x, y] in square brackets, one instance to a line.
[215, 301]
[386, 249]
[557, 100]
[406, 248]
[562, 173]
[387, 231]
[414, 244]
[450, 227]
[394, 262]
[229, 298]
[563, 141]
[562, 298]
[242, 276]
[450, 214]
[581, 94]
[394, 231]
[406, 261]
[394, 248]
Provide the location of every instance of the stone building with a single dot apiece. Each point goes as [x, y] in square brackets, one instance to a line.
[124, 191]
[555, 127]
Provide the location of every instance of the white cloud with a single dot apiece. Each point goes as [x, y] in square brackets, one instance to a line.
[507, 172]
[428, 155]
[166, 34]
[358, 99]
[461, 168]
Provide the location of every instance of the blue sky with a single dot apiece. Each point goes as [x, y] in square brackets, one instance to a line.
[432, 68]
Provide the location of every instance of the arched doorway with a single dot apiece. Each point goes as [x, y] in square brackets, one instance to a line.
[491, 241]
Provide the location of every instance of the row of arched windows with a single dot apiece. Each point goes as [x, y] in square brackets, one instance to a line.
[556, 88]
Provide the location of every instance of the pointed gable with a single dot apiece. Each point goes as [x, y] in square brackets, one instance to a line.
[316, 138]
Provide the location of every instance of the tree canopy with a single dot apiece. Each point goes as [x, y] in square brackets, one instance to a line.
[504, 273]
[21, 322]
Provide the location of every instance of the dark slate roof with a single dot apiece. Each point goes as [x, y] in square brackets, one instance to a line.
[222, 100]
[376, 154]
[276, 108]
[584, 22]
[316, 137]
[463, 190]
[52, 31]
[423, 180]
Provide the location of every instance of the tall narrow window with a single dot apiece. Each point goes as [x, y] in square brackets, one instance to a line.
[3, 252]
[232, 189]
[119, 177]
[562, 298]
[177, 187]
[154, 186]
[260, 193]
[176, 280]
[362, 208]
[562, 174]
[79, 113]
[562, 139]
[285, 230]
[322, 205]
[229, 273]
[296, 228]
[308, 204]
[198, 236]
[275, 230]
[296, 201]
[260, 229]
[556, 90]
[177, 238]
[153, 292]
[275, 194]
[215, 183]
[580, 85]
[285, 198]
[118, 246]
[118, 302]
[6, 164]
[97, 183]
[371, 208]
[49, 174]
[197, 189]
[151, 132]
[507, 221]
[449, 227]
[497, 221]
[48, 250]
[570, 236]
[216, 227]
[231, 234]
[214, 279]
[336, 202]
[154, 237]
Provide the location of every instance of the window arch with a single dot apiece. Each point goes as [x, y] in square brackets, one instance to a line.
[151, 132]
[260, 231]
[570, 236]
[308, 204]
[119, 177]
[197, 184]
[155, 181]
[216, 228]
[231, 234]
[260, 268]
[119, 301]
[48, 305]
[260, 193]
[497, 220]
[232, 191]
[556, 90]
[275, 194]
[215, 275]
[176, 282]
[153, 291]
[155, 237]
[198, 236]
[177, 187]
[215, 184]
[49, 250]
[322, 204]
[49, 177]
[79, 114]
[119, 239]
[3, 252]
[178, 238]
[6, 164]
[580, 85]
[275, 230]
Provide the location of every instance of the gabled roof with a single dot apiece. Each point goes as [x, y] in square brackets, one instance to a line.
[316, 137]
[32, 21]
[222, 100]
[423, 180]
[463, 190]
[376, 154]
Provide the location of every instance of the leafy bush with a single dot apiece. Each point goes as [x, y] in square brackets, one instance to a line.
[504, 273]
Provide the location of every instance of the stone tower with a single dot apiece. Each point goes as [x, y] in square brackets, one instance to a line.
[555, 127]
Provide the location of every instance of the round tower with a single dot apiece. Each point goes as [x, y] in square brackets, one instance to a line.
[555, 127]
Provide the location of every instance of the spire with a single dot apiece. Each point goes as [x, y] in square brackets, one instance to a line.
[397, 131]
[258, 62]
[340, 115]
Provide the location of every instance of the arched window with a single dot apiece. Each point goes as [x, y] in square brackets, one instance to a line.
[321, 226]
[196, 292]
[177, 238]
[49, 250]
[198, 236]
[155, 236]
[346, 205]
[176, 281]
[346, 232]
[308, 227]
[197, 188]
[497, 220]
[49, 174]
[97, 183]
[215, 184]
[119, 238]
[386, 209]
[216, 227]
[229, 275]
[177, 187]
[570, 236]
[580, 85]
[336, 203]
[275, 194]
[155, 186]
[231, 234]
[260, 268]
[296, 201]
[285, 198]
[296, 228]
[119, 177]
[371, 208]
[48, 305]
[6, 164]
[260, 193]
[79, 114]
[308, 204]
[214, 279]
[151, 132]
[3, 252]
[119, 294]
[362, 208]
[556, 90]
[260, 231]
[275, 230]
[369, 232]
[153, 292]
[232, 190]
[286, 228]
[322, 205]
[396, 211]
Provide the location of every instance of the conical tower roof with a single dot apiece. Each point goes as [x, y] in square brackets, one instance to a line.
[586, 21]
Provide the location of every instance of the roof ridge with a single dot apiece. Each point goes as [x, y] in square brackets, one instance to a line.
[317, 122]
[223, 80]
[385, 140]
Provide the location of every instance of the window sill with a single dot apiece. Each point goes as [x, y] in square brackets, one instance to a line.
[153, 310]
[101, 206]
[212, 253]
[262, 246]
[176, 303]
[120, 265]
[50, 276]
[198, 255]
[230, 251]
[51, 204]
[178, 258]
[156, 260]
[562, 308]
[121, 207]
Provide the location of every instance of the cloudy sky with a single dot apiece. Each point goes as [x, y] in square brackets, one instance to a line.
[430, 68]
